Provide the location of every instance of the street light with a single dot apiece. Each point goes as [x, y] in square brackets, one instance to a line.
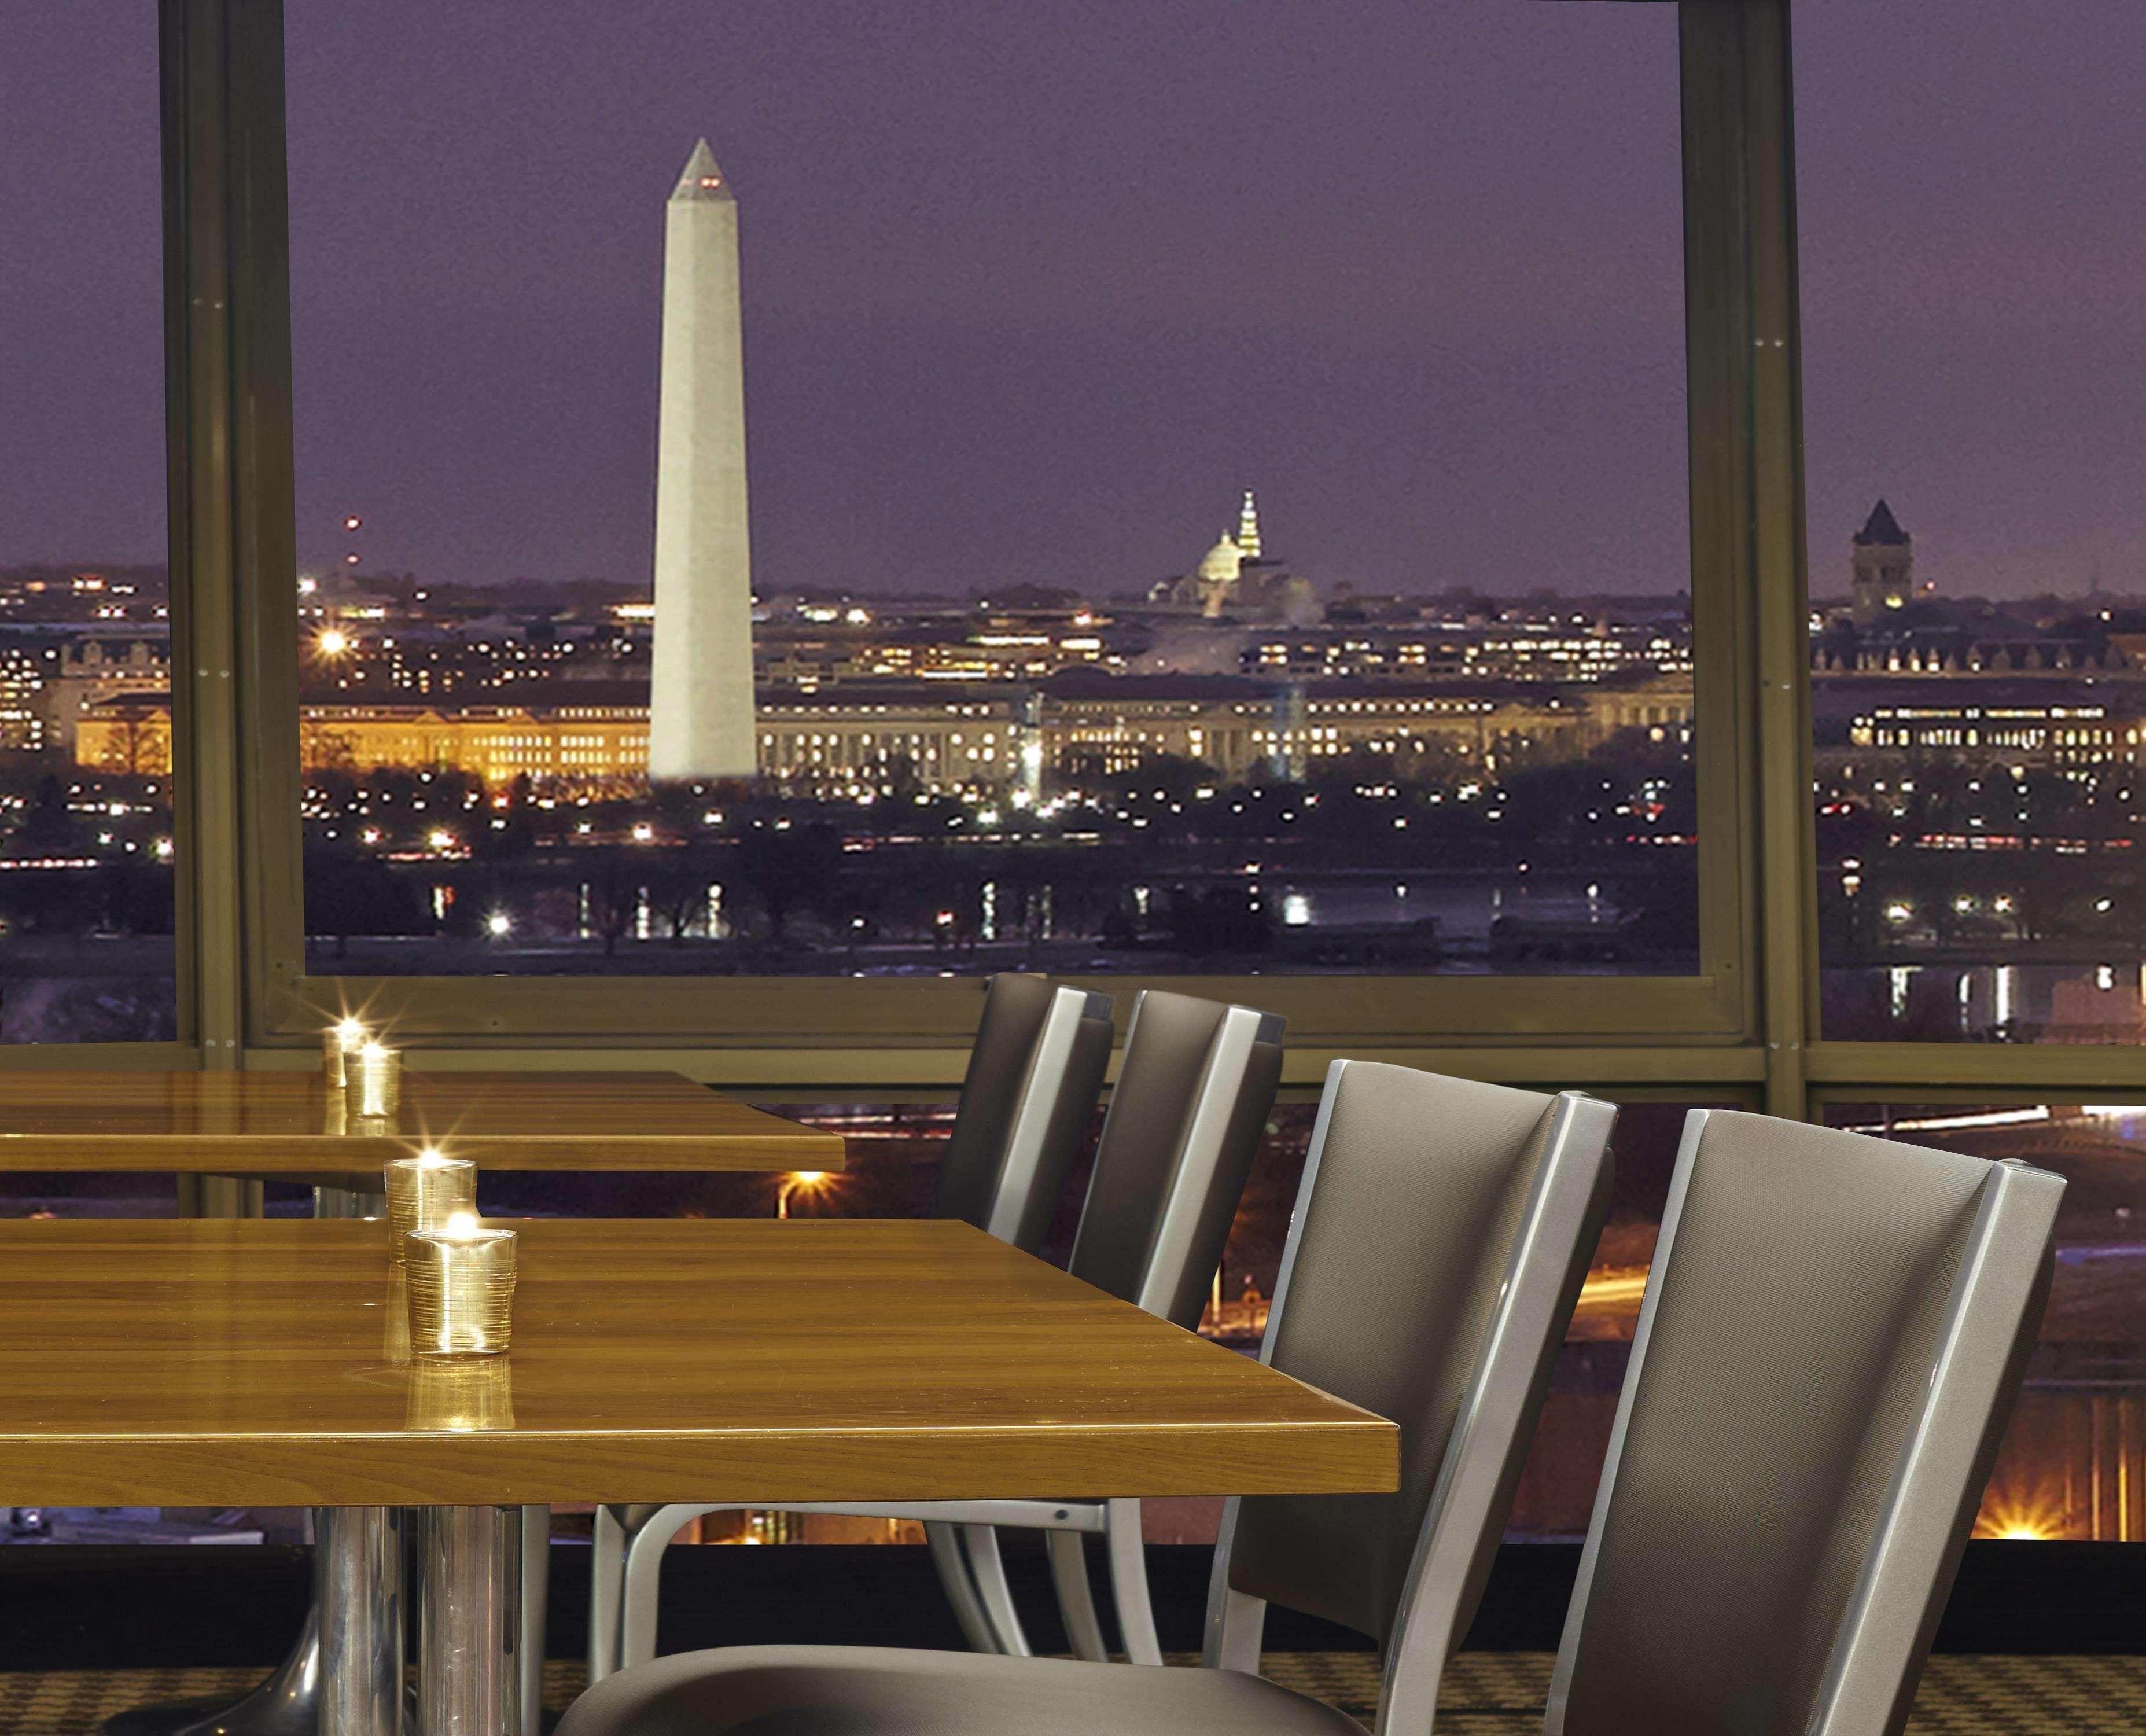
[802, 1181]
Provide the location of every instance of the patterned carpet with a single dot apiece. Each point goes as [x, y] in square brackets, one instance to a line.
[1486, 1693]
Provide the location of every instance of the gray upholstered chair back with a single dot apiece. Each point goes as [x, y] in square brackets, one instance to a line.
[1831, 1338]
[1184, 1122]
[1441, 1235]
[1034, 1073]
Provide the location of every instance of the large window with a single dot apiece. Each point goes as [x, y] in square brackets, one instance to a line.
[86, 820]
[1974, 376]
[1193, 527]
[1194, 500]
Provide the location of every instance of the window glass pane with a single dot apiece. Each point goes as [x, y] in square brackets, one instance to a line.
[1013, 670]
[1975, 376]
[85, 949]
[2069, 1464]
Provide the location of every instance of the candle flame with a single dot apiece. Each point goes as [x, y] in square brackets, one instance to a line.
[462, 1225]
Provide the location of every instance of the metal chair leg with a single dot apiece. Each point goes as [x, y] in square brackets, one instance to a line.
[960, 1590]
[1076, 1598]
[1128, 1558]
[536, 1604]
[980, 1547]
[607, 1591]
[641, 1583]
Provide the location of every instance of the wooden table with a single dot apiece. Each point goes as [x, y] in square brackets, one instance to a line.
[242, 1127]
[210, 1362]
[289, 1124]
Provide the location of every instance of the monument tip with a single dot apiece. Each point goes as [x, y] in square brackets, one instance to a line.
[702, 179]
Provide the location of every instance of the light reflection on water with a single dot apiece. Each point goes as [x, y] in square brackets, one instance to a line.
[1463, 909]
[2086, 1002]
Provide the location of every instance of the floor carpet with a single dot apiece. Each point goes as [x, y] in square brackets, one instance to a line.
[1485, 1694]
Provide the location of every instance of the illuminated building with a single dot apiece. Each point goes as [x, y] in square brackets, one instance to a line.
[24, 673]
[1885, 564]
[1867, 726]
[870, 738]
[1236, 581]
[1520, 652]
[593, 742]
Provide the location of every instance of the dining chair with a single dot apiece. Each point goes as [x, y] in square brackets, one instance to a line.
[1194, 1090]
[1442, 1232]
[1035, 1071]
[1825, 1360]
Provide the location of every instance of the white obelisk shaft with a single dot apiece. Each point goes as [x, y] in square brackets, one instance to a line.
[701, 712]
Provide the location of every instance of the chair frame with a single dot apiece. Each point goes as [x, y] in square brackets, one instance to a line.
[962, 1534]
[1436, 1599]
[1886, 1629]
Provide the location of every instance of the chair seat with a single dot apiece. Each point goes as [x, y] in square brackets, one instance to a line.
[817, 1690]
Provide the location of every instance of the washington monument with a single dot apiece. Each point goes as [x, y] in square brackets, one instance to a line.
[701, 716]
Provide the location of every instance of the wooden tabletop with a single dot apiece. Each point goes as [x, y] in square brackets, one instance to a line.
[253, 1363]
[291, 1124]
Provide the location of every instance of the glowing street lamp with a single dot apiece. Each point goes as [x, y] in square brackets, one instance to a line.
[499, 925]
[803, 1181]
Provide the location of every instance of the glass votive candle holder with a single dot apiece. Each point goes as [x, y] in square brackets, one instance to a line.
[426, 1192]
[373, 1082]
[461, 1280]
[338, 1043]
[460, 1394]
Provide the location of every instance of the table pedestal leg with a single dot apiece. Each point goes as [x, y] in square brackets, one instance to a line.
[359, 1620]
[288, 1704]
[470, 1642]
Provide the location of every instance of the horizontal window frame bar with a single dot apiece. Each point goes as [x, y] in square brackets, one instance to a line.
[2019, 1066]
[811, 1074]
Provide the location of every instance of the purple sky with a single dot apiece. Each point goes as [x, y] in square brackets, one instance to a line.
[1026, 302]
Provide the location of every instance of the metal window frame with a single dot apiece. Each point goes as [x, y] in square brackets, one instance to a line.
[1748, 1023]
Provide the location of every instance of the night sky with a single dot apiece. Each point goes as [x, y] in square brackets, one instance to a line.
[1031, 292]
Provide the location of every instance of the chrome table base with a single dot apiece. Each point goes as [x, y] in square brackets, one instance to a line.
[286, 1704]
[346, 1676]
[470, 1642]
